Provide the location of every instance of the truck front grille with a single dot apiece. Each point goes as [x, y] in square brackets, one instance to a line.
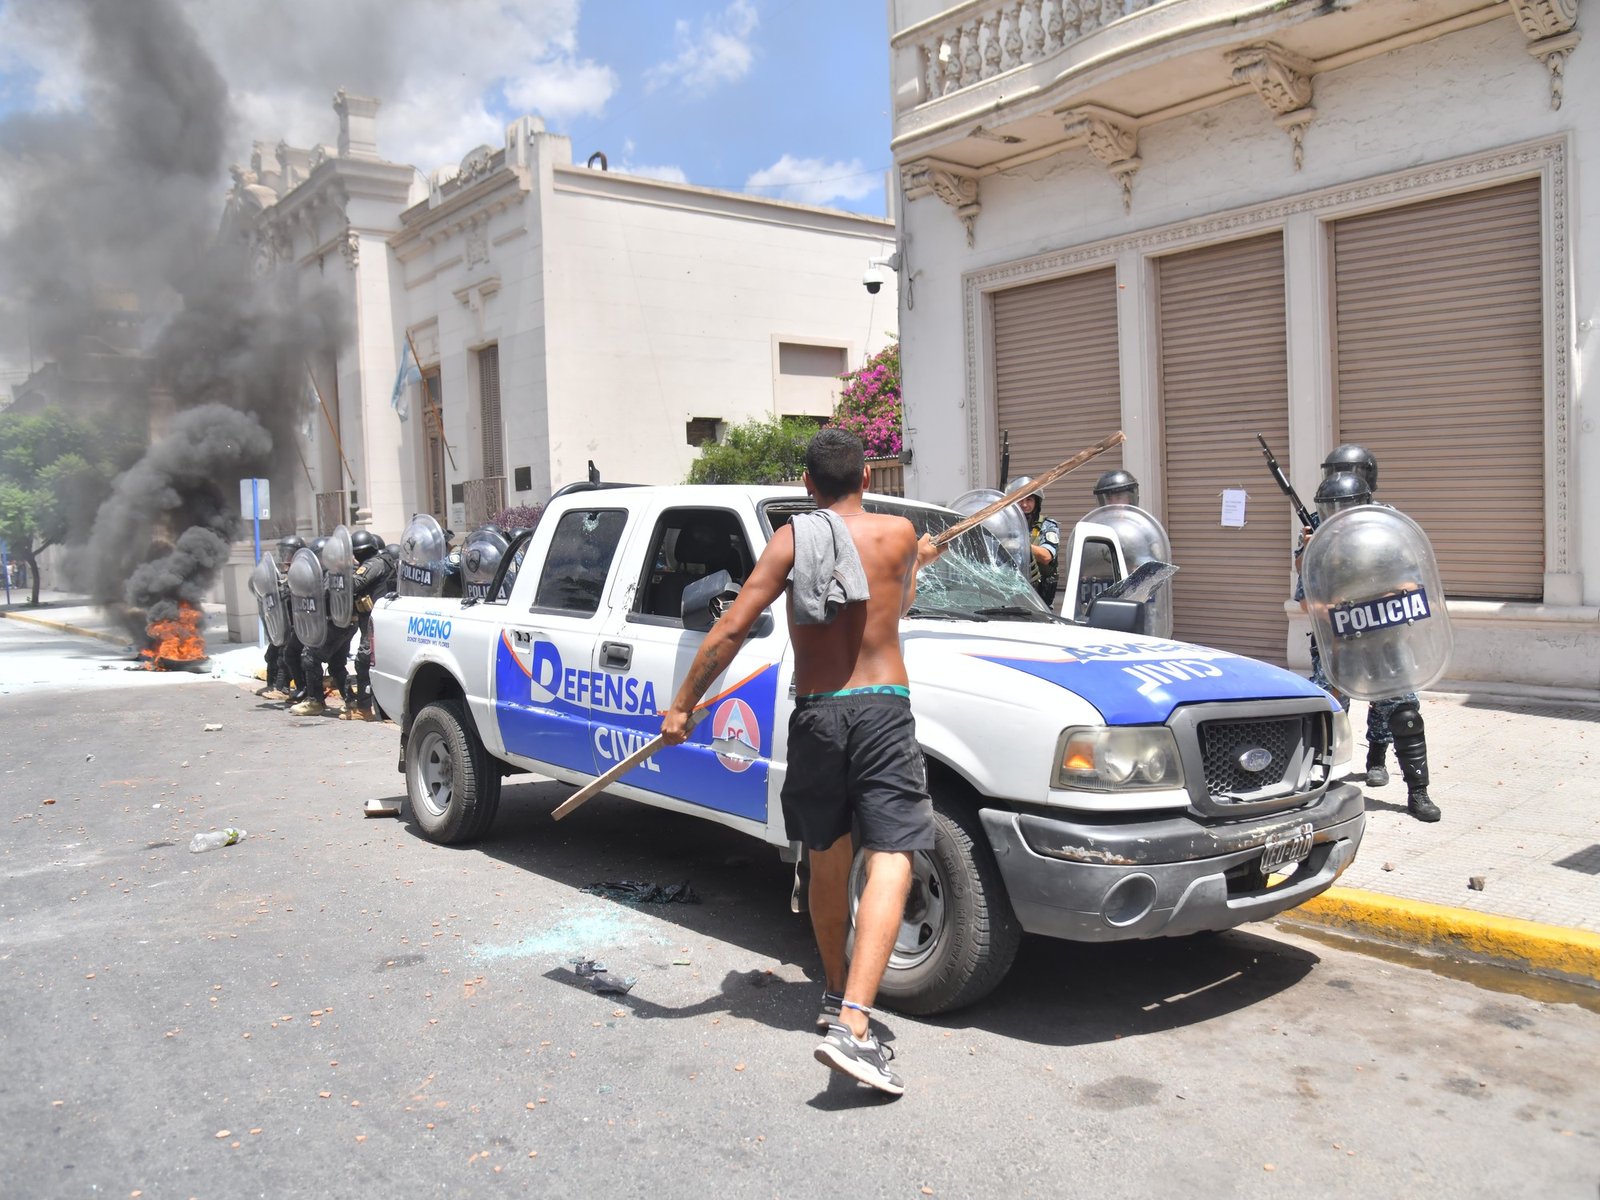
[1225, 745]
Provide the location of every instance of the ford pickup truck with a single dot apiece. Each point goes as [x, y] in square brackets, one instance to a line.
[1088, 784]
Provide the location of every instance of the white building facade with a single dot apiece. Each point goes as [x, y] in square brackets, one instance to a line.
[1197, 220]
[561, 315]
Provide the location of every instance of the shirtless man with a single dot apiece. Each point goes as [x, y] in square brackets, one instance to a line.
[853, 751]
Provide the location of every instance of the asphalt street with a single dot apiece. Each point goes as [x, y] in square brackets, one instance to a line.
[336, 1007]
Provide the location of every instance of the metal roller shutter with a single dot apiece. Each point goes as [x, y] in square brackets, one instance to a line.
[1057, 382]
[1439, 369]
[494, 436]
[1224, 379]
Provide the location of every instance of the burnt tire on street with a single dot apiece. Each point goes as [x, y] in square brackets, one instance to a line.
[452, 785]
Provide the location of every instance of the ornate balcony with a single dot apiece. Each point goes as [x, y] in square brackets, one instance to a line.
[991, 84]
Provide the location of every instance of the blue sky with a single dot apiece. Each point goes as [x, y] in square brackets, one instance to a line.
[784, 98]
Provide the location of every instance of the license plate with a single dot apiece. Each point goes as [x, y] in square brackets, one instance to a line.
[1288, 847]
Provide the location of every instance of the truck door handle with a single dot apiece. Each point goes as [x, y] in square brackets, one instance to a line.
[615, 656]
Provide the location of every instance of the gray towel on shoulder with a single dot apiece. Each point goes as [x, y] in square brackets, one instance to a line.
[827, 571]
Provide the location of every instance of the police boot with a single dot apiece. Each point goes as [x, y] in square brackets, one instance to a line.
[1411, 752]
[311, 706]
[1377, 773]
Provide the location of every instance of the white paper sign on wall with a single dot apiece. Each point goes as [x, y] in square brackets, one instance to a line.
[1233, 507]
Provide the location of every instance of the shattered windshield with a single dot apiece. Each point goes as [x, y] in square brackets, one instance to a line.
[975, 579]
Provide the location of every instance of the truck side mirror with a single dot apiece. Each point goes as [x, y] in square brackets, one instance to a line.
[706, 599]
[1119, 616]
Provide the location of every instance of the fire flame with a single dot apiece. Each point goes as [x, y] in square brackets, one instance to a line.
[177, 640]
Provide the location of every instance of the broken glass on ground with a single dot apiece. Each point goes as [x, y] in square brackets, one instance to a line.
[634, 891]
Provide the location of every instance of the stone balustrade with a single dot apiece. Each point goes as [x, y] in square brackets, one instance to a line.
[980, 40]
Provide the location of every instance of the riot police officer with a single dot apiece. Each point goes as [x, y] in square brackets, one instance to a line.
[283, 661]
[1116, 487]
[1044, 537]
[334, 651]
[374, 576]
[1350, 474]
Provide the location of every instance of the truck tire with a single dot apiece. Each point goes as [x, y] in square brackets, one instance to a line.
[959, 935]
[452, 783]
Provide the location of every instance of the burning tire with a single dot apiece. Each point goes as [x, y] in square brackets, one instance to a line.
[958, 935]
[452, 784]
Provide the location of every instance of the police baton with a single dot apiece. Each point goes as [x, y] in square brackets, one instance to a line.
[1028, 489]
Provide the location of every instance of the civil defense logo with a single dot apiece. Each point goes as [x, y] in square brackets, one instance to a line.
[735, 721]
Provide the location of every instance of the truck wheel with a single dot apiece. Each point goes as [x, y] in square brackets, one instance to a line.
[959, 934]
[453, 785]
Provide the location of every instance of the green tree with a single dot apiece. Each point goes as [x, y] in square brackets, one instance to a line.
[759, 451]
[54, 471]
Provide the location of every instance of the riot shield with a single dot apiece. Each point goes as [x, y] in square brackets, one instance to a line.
[266, 581]
[1142, 540]
[308, 597]
[1008, 528]
[339, 567]
[481, 554]
[1376, 602]
[422, 554]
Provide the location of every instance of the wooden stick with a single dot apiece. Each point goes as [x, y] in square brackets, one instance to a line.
[1039, 484]
[328, 417]
[595, 786]
[422, 378]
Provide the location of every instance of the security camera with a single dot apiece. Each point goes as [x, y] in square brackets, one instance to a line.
[873, 279]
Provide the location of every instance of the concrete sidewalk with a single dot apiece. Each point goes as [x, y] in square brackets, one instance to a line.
[1518, 781]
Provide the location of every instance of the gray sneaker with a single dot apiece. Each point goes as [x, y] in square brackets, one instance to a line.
[829, 1012]
[863, 1059]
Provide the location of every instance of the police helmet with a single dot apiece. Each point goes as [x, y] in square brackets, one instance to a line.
[1351, 457]
[1116, 483]
[365, 544]
[287, 545]
[1344, 490]
[1022, 481]
[317, 544]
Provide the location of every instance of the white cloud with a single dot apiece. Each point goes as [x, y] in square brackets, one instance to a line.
[814, 181]
[719, 52]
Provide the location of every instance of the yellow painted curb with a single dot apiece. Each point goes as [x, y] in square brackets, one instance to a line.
[29, 619]
[1526, 945]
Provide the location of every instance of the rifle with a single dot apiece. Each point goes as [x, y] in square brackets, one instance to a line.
[1005, 457]
[1285, 486]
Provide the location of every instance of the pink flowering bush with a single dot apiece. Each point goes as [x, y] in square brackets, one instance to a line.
[869, 405]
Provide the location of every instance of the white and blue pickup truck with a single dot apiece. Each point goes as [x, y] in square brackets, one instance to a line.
[1088, 783]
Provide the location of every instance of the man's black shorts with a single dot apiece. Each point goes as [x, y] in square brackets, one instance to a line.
[855, 758]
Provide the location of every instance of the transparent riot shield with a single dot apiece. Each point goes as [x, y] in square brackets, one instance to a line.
[1376, 602]
[267, 582]
[1008, 528]
[422, 557]
[308, 597]
[1142, 540]
[339, 568]
[481, 555]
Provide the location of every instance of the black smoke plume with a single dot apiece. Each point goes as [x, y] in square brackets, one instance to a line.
[124, 194]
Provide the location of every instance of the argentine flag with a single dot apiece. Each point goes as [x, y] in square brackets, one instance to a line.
[410, 373]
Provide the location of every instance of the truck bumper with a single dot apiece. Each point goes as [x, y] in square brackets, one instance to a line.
[1166, 877]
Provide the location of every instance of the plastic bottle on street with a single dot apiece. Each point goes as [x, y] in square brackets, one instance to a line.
[214, 839]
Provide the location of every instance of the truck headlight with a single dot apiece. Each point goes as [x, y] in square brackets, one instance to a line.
[1341, 748]
[1118, 758]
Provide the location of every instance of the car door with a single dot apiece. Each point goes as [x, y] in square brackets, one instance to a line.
[725, 764]
[543, 675]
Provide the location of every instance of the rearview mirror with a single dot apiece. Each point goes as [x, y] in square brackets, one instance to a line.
[1118, 616]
